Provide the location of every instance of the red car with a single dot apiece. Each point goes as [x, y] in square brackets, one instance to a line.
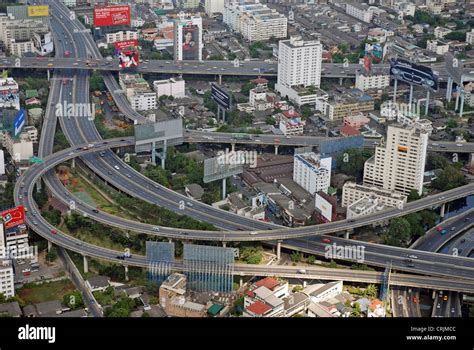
[439, 229]
[415, 300]
[326, 240]
[54, 232]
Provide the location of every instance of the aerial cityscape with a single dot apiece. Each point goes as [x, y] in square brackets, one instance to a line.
[237, 158]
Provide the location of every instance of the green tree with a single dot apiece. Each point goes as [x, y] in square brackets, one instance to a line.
[399, 232]
[371, 291]
[245, 89]
[296, 256]
[73, 300]
[460, 36]
[311, 259]
[413, 195]
[52, 254]
[351, 162]
[356, 311]
[96, 82]
[452, 123]
[449, 178]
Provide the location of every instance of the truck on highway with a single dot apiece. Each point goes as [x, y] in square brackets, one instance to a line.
[241, 136]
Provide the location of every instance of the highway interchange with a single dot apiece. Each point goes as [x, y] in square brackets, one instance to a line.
[81, 132]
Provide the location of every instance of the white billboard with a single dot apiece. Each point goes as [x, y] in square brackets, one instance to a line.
[323, 207]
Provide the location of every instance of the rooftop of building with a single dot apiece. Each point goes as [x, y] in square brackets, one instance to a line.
[259, 308]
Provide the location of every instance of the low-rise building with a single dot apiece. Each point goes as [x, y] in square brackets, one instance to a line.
[322, 292]
[352, 192]
[364, 206]
[265, 298]
[98, 283]
[438, 47]
[170, 87]
[376, 80]
[441, 32]
[112, 38]
[291, 123]
[356, 121]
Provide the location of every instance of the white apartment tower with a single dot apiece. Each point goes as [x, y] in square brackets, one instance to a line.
[311, 172]
[400, 164]
[214, 6]
[299, 64]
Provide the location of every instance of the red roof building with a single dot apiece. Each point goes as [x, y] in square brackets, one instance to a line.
[268, 282]
[258, 308]
[348, 130]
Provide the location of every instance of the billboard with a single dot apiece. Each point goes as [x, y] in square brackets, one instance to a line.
[414, 74]
[120, 45]
[13, 217]
[38, 11]
[19, 121]
[323, 207]
[128, 58]
[215, 169]
[190, 42]
[111, 16]
[221, 97]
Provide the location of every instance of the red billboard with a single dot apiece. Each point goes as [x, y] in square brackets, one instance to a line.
[13, 217]
[120, 45]
[111, 16]
[128, 58]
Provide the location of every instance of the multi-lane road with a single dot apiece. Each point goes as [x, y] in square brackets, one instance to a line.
[80, 134]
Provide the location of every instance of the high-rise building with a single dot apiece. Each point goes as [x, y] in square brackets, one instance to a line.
[214, 6]
[299, 66]
[188, 42]
[400, 163]
[255, 21]
[189, 4]
[311, 172]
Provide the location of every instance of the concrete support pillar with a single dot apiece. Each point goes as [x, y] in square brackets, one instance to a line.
[442, 212]
[276, 149]
[395, 85]
[411, 95]
[153, 153]
[449, 89]
[224, 244]
[49, 74]
[461, 107]
[220, 79]
[170, 240]
[427, 105]
[163, 155]
[278, 250]
[73, 163]
[38, 185]
[233, 147]
[341, 80]
[304, 284]
[471, 161]
[126, 273]
[224, 191]
[86, 264]
[50, 245]
[241, 282]
[457, 102]
[347, 234]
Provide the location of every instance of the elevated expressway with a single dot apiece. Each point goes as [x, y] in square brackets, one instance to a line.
[108, 255]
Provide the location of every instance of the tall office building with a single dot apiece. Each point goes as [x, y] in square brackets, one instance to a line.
[299, 66]
[188, 42]
[400, 163]
[214, 6]
[311, 172]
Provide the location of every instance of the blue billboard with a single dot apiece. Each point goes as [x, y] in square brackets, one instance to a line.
[221, 97]
[19, 122]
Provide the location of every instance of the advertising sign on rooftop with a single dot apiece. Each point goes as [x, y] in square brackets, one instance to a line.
[38, 11]
[13, 217]
[111, 16]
